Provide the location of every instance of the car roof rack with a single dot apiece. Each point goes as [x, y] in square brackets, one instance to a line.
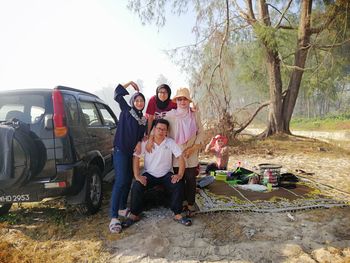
[76, 90]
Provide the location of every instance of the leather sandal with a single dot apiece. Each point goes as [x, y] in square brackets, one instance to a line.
[189, 212]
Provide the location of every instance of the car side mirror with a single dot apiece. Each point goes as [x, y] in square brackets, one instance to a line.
[48, 121]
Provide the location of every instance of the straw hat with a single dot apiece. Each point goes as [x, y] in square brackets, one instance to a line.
[182, 92]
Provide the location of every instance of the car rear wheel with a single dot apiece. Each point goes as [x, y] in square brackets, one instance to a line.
[19, 169]
[5, 208]
[21, 159]
[93, 192]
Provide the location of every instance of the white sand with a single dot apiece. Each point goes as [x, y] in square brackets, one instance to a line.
[321, 235]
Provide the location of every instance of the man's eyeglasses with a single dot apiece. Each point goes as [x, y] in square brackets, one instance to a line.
[181, 99]
[161, 129]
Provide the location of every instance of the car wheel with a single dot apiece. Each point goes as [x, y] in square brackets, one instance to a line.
[93, 192]
[23, 159]
[5, 208]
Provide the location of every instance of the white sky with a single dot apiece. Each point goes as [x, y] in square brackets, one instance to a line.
[85, 44]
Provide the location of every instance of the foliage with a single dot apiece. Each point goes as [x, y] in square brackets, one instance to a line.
[266, 34]
[235, 48]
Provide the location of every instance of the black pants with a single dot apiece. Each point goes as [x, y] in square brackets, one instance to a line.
[190, 184]
[138, 190]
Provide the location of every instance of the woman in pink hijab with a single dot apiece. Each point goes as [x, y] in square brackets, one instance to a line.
[187, 130]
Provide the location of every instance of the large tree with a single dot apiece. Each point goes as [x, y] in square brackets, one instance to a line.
[307, 20]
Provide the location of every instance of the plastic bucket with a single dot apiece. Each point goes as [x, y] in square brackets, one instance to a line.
[269, 173]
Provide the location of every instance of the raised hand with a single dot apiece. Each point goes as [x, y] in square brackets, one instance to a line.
[133, 84]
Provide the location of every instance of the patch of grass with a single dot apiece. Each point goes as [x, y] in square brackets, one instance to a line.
[11, 219]
[41, 233]
[23, 215]
[328, 123]
[7, 250]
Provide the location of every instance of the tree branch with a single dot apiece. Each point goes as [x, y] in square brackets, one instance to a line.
[287, 27]
[243, 14]
[332, 46]
[250, 10]
[252, 117]
[224, 40]
[283, 14]
[325, 25]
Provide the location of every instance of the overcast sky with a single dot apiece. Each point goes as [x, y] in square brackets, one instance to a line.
[85, 44]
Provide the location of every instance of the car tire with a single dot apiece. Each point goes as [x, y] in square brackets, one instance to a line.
[25, 157]
[93, 192]
[21, 160]
[5, 208]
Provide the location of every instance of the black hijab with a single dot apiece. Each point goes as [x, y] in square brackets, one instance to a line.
[163, 104]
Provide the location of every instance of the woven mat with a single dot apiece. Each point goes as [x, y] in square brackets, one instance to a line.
[220, 196]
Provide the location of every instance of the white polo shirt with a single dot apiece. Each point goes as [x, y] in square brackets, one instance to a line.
[160, 161]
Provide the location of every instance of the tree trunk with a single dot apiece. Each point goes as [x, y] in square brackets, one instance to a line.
[302, 49]
[275, 120]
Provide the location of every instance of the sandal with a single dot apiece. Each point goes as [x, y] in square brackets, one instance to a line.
[115, 226]
[128, 222]
[183, 221]
[127, 213]
[189, 212]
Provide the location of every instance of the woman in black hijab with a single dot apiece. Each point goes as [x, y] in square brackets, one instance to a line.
[158, 105]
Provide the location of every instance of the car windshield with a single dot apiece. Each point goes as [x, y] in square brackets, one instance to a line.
[28, 108]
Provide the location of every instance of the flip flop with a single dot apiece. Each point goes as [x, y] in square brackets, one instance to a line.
[184, 221]
[115, 227]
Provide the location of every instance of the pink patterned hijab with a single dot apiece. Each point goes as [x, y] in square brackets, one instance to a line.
[186, 126]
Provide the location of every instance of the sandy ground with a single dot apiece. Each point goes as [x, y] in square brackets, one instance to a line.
[50, 233]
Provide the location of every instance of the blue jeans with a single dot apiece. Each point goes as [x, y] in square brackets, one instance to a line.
[122, 183]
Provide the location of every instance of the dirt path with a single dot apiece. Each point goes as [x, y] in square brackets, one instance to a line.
[51, 233]
[313, 236]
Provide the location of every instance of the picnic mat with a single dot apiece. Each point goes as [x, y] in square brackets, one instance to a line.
[220, 196]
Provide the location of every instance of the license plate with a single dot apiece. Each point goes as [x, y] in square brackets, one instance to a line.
[16, 198]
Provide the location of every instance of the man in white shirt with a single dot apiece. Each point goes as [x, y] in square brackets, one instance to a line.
[158, 171]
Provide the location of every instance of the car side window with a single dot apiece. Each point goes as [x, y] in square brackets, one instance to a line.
[108, 120]
[37, 113]
[29, 108]
[72, 112]
[90, 114]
